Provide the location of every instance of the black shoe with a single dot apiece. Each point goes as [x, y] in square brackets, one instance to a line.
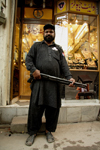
[49, 137]
[30, 140]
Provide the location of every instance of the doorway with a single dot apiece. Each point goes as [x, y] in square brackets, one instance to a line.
[31, 33]
[15, 65]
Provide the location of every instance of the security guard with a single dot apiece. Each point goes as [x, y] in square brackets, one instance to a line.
[45, 57]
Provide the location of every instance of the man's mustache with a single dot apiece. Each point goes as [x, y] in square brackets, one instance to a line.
[48, 36]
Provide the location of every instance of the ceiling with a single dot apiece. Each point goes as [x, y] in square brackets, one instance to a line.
[35, 3]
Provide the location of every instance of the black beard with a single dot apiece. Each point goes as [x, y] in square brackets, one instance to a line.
[48, 38]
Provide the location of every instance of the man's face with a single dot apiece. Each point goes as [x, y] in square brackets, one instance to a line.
[49, 35]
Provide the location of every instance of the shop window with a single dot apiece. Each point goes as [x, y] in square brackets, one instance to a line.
[77, 34]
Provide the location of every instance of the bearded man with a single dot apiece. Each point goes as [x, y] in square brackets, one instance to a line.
[45, 57]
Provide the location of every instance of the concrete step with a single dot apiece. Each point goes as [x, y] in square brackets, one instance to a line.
[19, 124]
[71, 111]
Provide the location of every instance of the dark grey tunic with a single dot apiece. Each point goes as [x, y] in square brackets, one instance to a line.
[49, 60]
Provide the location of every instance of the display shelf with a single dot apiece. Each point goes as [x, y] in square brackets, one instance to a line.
[84, 70]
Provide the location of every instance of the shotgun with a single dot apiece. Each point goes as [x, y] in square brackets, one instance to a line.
[56, 79]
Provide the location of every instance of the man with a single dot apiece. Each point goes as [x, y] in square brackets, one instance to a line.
[45, 57]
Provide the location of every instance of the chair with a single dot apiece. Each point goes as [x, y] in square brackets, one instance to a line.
[85, 79]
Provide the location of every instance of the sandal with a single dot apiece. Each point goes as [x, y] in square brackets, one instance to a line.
[30, 140]
[49, 137]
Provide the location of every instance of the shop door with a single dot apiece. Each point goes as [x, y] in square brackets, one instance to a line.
[31, 33]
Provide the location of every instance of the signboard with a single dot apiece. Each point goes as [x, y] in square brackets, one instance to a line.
[61, 6]
[83, 6]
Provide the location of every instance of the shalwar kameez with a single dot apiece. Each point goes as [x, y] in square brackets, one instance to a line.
[45, 94]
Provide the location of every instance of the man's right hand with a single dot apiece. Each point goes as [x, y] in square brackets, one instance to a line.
[36, 74]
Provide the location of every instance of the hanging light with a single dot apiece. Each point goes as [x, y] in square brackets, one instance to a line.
[43, 3]
[76, 21]
[31, 3]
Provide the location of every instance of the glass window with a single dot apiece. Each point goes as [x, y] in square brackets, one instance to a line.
[79, 34]
[31, 33]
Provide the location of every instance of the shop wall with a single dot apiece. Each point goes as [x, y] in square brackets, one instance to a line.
[6, 32]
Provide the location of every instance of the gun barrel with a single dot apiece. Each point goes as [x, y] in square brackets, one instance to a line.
[62, 81]
[57, 79]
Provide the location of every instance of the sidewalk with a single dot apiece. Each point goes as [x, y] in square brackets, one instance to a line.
[75, 136]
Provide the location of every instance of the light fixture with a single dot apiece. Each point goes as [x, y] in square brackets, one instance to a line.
[31, 3]
[43, 3]
[81, 30]
[64, 22]
[71, 29]
[24, 40]
[76, 22]
[61, 17]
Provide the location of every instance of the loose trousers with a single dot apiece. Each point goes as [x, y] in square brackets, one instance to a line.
[35, 118]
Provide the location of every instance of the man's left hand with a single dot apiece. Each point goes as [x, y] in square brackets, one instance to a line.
[73, 81]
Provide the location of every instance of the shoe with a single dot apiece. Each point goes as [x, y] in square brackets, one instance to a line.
[30, 140]
[49, 137]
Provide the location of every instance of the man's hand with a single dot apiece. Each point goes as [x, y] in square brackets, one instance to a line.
[73, 81]
[36, 74]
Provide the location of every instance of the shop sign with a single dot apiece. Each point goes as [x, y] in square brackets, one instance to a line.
[83, 6]
[61, 6]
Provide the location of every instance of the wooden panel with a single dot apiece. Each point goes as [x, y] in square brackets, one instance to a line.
[24, 85]
[47, 13]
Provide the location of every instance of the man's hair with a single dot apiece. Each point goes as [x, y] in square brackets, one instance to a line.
[49, 26]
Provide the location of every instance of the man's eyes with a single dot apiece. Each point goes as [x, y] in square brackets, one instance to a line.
[49, 32]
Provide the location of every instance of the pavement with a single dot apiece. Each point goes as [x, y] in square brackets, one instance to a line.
[70, 136]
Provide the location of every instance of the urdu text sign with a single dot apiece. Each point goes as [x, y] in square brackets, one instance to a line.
[83, 6]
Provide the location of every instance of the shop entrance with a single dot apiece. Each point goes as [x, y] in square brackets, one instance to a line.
[27, 32]
[31, 33]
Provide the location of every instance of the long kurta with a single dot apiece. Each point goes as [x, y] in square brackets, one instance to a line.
[49, 60]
